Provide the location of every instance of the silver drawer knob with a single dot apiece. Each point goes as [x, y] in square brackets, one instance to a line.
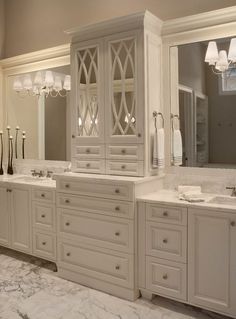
[117, 267]
[232, 223]
[44, 243]
[73, 136]
[67, 224]
[117, 208]
[117, 191]
[43, 195]
[87, 150]
[165, 240]
[88, 165]
[165, 213]
[43, 216]
[123, 151]
[123, 166]
[68, 254]
[165, 276]
[67, 186]
[117, 233]
[67, 201]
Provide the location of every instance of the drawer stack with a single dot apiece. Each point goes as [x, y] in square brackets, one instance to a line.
[95, 228]
[166, 250]
[44, 223]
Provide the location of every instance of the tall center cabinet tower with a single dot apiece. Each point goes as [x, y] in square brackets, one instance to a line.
[116, 86]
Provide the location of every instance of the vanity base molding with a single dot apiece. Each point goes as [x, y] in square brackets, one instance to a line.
[100, 285]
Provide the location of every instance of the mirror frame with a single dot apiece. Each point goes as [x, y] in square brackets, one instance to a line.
[26, 63]
[196, 28]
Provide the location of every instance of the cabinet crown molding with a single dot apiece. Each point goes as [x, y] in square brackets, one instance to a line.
[201, 20]
[120, 24]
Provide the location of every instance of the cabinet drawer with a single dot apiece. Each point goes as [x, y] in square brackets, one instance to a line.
[44, 245]
[109, 266]
[90, 151]
[166, 241]
[89, 166]
[43, 195]
[44, 216]
[166, 214]
[97, 189]
[124, 168]
[96, 230]
[119, 152]
[166, 278]
[96, 205]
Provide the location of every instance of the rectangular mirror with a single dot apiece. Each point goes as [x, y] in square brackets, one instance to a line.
[206, 103]
[44, 116]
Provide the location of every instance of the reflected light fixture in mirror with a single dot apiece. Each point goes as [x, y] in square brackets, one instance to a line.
[220, 61]
[44, 82]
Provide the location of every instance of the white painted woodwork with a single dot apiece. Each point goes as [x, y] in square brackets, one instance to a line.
[89, 152]
[112, 208]
[43, 194]
[166, 241]
[124, 152]
[212, 260]
[44, 216]
[44, 245]
[106, 265]
[167, 278]
[96, 230]
[88, 166]
[166, 214]
[4, 217]
[20, 209]
[124, 168]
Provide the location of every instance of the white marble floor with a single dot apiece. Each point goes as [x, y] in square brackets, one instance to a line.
[29, 289]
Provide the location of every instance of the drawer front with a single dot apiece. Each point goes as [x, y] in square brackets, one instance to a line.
[90, 151]
[96, 230]
[97, 189]
[166, 214]
[44, 245]
[166, 241]
[105, 265]
[89, 166]
[124, 168]
[119, 152]
[96, 205]
[43, 195]
[44, 216]
[166, 278]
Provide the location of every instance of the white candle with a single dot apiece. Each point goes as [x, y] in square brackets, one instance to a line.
[10, 137]
[1, 132]
[17, 128]
[8, 127]
[23, 132]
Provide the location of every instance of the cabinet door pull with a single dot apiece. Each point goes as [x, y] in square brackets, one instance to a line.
[165, 213]
[123, 166]
[165, 240]
[117, 191]
[67, 186]
[67, 224]
[44, 243]
[123, 151]
[43, 216]
[117, 233]
[68, 254]
[165, 276]
[87, 150]
[88, 165]
[117, 208]
[117, 267]
[42, 195]
[232, 223]
[67, 201]
[73, 136]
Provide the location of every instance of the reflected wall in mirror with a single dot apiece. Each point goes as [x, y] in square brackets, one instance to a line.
[207, 108]
[44, 119]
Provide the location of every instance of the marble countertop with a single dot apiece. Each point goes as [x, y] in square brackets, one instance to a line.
[28, 180]
[171, 197]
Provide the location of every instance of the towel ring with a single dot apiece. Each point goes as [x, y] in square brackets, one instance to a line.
[173, 117]
[155, 115]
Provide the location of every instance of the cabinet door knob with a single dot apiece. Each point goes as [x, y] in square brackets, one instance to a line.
[43, 195]
[67, 201]
[117, 233]
[87, 150]
[139, 134]
[123, 151]
[123, 166]
[43, 216]
[117, 191]
[88, 165]
[165, 276]
[117, 267]
[67, 224]
[117, 208]
[67, 186]
[68, 254]
[44, 243]
[165, 240]
[232, 223]
[165, 213]
[73, 136]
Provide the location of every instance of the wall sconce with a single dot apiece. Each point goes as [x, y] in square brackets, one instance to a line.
[46, 82]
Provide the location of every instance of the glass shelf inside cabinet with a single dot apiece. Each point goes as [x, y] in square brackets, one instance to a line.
[87, 108]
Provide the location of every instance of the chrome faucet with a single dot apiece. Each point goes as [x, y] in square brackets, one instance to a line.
[233, 188]
[39, 174]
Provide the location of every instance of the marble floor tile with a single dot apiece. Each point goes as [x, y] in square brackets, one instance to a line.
[30, 289]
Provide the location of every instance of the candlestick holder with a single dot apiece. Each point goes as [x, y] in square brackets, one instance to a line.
[1, 159]
[10, 158]
[16, 141]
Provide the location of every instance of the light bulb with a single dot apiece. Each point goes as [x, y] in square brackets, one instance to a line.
[212, 53]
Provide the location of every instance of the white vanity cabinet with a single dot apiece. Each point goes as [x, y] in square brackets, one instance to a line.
[212, 260]
[116, 80]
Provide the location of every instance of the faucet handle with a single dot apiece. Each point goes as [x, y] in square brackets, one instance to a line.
[49, 174]
[33, 171]
[231, 187]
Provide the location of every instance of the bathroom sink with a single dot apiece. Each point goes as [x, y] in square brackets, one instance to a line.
[223, 200]
[31, 179]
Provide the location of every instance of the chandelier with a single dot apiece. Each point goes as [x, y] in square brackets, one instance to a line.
[45, 82]
[221, 62]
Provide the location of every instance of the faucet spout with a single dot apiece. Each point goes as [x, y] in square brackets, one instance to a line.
[233, 188]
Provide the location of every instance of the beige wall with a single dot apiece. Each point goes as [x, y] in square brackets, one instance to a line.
[37, 24]
[192, 66]
[2, 27]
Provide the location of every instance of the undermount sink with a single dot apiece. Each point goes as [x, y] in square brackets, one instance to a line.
[30, 179]
[223, 200]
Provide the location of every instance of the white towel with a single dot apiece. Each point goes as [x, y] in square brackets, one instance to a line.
[158, 149]
[177, 148]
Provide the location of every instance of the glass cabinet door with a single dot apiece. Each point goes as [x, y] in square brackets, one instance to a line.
[122, 100]
[89, 114]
